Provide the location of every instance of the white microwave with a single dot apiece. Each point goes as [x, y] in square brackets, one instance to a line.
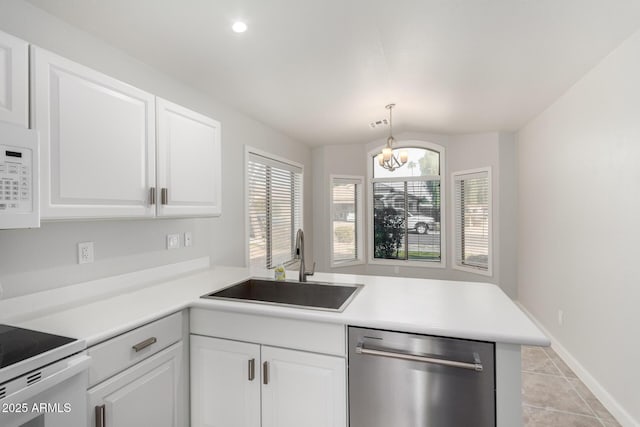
[19, 177]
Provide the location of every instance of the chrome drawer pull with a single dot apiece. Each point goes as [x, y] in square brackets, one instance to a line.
[144, 344]
[265, 373]
[100, 416]
[252, 369]
[477, 366]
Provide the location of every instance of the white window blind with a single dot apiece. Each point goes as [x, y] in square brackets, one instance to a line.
[346, 222]
[274, 209]
[472, 219]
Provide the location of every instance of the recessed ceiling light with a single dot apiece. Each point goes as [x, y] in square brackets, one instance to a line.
[239, 27]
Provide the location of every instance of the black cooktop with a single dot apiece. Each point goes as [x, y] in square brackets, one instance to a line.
[18, 344]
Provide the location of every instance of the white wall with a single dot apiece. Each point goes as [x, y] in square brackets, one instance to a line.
[579, 225]
[328, 160]
[39, 259]
[494, 149]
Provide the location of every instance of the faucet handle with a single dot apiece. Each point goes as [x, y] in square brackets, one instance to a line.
[313, 270]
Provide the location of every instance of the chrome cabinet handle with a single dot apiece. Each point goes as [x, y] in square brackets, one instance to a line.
[265, 373]
[476, 366]
[100, 416]
[164, 196]
[144, 344]
[152, 195]
[252, 369]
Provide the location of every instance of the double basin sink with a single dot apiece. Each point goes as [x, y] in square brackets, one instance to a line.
[310, 295]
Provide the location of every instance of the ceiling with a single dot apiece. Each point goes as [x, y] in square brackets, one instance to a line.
[321, 70]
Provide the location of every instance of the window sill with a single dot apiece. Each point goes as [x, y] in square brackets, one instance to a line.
[408, 263]
[478, 271]
[347, 263]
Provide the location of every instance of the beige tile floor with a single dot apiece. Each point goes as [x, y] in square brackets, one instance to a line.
[552, 395]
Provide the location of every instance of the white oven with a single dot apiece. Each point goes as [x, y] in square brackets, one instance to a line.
[52, 396]
[43, 379]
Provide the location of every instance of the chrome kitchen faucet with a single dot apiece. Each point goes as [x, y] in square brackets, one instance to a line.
[302, 275]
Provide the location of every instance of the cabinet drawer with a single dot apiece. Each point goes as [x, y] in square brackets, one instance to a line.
[317, 337]
[117, 354]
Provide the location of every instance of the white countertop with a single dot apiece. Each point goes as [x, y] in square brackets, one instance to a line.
[477, 311]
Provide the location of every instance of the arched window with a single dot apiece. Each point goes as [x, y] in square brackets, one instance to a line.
[406, 207]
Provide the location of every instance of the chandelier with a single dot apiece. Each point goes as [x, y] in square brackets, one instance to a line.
[388, 159]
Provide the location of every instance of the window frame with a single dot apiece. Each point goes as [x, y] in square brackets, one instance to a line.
[248, 151]
[456, 244]
[360, 248]
[443, 217]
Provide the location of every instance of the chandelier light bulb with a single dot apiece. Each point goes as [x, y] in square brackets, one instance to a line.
[387, 159]
[404, 156]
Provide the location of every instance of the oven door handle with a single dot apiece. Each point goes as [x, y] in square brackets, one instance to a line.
[476, 366]
[75, 365]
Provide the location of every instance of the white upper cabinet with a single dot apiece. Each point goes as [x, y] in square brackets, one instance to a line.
[189, 162]
[97, 139]
[14, 80]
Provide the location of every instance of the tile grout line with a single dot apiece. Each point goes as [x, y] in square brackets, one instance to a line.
[562, 412]
[595, 414]
[543, 373]
[574, 389]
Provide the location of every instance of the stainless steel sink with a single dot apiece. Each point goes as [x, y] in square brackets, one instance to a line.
[311, 295]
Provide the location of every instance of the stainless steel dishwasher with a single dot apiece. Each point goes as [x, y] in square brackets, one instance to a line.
[407, 380]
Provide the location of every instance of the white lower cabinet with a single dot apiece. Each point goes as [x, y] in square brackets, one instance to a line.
[146, 394]
[139, 378]
[225, 390]
[237, 384]
[302, 389]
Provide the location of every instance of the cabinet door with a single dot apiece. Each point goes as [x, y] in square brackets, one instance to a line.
[225, 389]
[189, 162]
[14, 80]
[303, 389]
[97, 141]
[147, 394]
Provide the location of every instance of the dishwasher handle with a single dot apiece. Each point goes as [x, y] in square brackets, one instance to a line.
[476, 366]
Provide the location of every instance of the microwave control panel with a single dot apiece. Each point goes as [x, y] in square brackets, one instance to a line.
[19, 177]
[16, 192]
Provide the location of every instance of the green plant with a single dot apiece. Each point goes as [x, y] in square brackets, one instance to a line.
[388, 232]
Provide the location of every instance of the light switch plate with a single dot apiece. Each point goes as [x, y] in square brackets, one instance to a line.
[85, 252]
[188, 239]
[173, 241]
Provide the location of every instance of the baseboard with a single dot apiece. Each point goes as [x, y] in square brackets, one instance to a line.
[612, 405]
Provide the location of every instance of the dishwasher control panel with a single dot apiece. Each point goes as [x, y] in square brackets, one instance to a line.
[19, 207]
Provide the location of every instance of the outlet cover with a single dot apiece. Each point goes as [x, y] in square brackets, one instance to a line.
[173, 241]
[85, 252]
[188, 239]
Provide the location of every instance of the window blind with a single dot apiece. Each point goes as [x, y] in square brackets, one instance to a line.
[274, 209]
[407, 209]
[345, 194]
[472, 223]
